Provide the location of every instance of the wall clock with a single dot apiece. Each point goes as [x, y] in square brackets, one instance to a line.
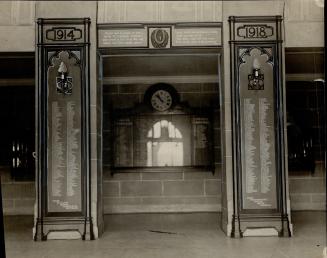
[161, 97]
[161, 100]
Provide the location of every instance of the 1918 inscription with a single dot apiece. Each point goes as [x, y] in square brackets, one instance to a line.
[255, 31]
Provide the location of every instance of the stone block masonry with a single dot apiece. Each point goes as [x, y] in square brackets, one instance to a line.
[162, 191]
[174, 191]
[18, 197]
[308, 191]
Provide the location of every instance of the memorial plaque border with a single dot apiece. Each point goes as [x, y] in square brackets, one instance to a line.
[254, 218]
[84, 114]
[46, 221]
[239, 61]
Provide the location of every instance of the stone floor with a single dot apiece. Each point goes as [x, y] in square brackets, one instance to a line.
[170, 235]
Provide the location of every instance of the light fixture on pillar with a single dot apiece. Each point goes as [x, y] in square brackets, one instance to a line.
[64, 82]
[256, 78]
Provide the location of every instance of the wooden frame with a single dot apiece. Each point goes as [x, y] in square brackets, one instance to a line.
[51, 47]
[277, 217]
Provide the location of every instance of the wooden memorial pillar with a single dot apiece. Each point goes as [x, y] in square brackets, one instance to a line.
[63, 151]
[260, 191]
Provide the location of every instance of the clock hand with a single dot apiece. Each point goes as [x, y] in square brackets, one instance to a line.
[161, 100]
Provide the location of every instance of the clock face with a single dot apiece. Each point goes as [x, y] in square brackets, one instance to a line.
[161, 100]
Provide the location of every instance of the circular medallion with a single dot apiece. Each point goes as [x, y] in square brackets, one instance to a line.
[161, 100]
[159, 38]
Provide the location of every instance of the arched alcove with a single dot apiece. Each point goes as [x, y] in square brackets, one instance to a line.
[165, 145]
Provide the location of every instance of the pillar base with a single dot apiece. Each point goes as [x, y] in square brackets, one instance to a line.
[57, 228]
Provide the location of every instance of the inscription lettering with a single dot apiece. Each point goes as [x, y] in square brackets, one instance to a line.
[58, 162]
[250, 164]
[255, 31]
[123, 38]
[197, 37]
[265, 145]
[64, 34]
[258, 151]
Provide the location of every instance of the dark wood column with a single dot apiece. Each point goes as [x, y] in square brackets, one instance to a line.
[63, 152]
[260, 191]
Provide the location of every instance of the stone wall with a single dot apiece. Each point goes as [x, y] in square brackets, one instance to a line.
[178, 191]
[308, 191]
[304, 23]
[17, 27]
[18, 196]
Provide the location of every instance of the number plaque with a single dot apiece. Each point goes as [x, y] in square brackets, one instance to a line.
[255, 31]
[64, 34]
[61, 32]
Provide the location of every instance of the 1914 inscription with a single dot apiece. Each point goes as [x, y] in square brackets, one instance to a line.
[64, 34]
